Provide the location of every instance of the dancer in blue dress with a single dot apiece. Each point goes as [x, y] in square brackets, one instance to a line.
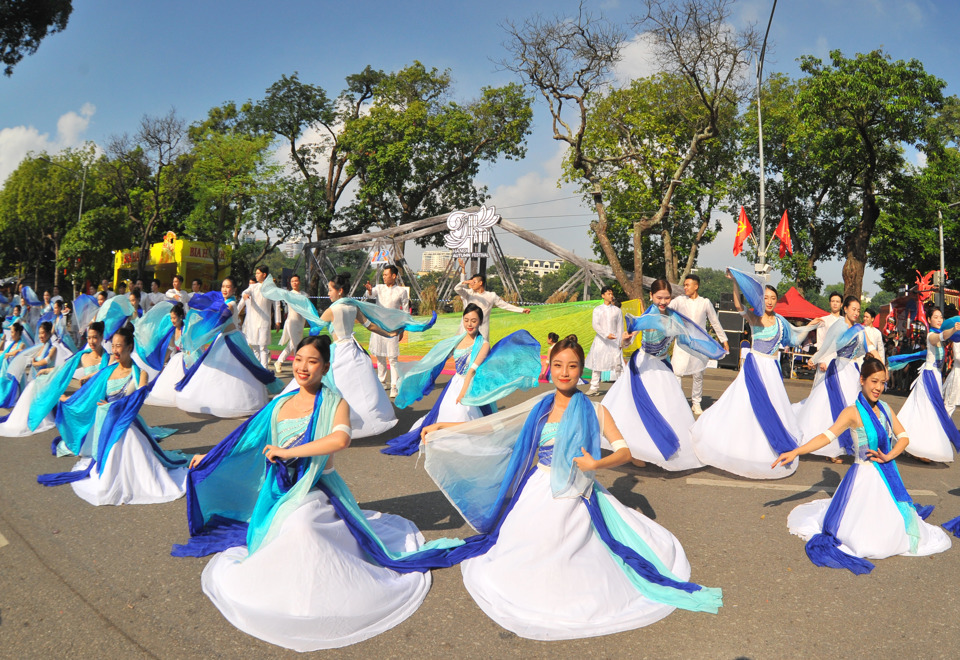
[648, 402]
[871, 515]
[164, 391]
[753, 421]
[924, 413]
[121, 462]
[513, 364]
[568, 560]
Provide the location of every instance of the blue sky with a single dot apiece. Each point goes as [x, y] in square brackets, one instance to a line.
[117, 61]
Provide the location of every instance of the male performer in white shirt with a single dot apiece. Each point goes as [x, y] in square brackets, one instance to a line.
[874, 336]
[474, 291]
[292, 327]
[256, 326]
[177, 294]
[836, 302]
[606, 350]
[698, 309]
[387, 349]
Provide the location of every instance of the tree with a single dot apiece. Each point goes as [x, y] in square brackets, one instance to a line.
[568, 60]
[141, 172]
[869, 106]
[640, 135]
[25, 23]
[416, 153]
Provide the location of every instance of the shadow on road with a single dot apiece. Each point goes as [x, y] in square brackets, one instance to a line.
[428, 511]
[622, 489]
[831, 479]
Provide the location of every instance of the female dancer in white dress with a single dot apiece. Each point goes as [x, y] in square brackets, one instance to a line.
[121, 462]
[648, 400]
[871, 515]
[924, 413]
[371, 412]
[567, 559]
[951, 386]
[229, 380]
[164, 391]
[293, 571]
[753, 422]
[842, 349]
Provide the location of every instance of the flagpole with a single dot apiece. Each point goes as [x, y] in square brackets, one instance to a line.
[762, 268]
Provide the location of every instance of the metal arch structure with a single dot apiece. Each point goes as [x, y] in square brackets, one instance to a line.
[317, 257]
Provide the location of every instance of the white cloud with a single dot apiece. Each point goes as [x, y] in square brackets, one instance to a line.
[17, 141]
[638, 60]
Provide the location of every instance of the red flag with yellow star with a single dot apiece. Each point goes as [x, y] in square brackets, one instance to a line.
[783, 233]
[744, 229]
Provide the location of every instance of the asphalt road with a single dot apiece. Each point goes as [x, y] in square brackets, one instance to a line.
[81, 581]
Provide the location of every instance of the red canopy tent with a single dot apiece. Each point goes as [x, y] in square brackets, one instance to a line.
[794, 306]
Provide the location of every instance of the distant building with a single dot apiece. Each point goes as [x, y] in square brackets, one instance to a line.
[539, 267]
[292, 249]
[434, 261]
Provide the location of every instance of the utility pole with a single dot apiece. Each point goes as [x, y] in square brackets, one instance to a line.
[762, 268]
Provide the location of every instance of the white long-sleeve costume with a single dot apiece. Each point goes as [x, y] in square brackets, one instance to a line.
[256, 325]
[485, 301]
[605, 353]
[387, 349]
[699, 310]
[292, 328]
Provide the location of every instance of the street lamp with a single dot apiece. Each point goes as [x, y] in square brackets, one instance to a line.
[762, 268]
[943, 270]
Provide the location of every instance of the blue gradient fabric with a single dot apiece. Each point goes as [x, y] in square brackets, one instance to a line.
[152, 333]
[50, 387]
[114, 313]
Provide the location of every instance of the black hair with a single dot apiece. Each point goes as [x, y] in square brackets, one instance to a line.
[126, 333]
[835, 293]
[871, 365]
[46, 325]
[553, 336]
[17, 307]
[98, 327]
[848, 300]
[233, 282]
[178, 310]
[660, 285]
[264, 268]
[135, 293]
[18, 327]
[178, 276]
[473, 307]
[102, 293]
[605, 289]
[155, 281]
[320, 342]
[872, 311]
[393, 269]
[692, 276]
[197, 281]
[46, 292]
[770, 287]
[58, 302]
[340, 281]
[482, 278]
[571, 342]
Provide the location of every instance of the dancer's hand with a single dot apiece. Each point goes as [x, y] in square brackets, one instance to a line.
[426, 430]
[878, 456]
[463, 393]
[274, 453]
[586, 463]
[785, 458]
[195, 460]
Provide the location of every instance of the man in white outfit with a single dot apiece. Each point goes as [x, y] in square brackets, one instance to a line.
[474, 291]
[606, 350]
[256, 325]
[836, 302]
[387, 349]
[177, 294]
[292, 327]
[874, 336]
[699, 310]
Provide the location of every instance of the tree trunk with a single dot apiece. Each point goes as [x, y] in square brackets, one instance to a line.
[56, 262]
[669, 261]
[857, 244]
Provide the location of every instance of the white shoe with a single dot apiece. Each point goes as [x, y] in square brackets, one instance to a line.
[278, 367]
[393, 393]
[593, 393]
[697, 410]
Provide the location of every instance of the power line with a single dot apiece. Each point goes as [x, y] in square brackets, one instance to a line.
[546, 201]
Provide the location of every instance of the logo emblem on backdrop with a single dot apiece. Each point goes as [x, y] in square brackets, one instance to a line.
[469, 232]
[378, 257]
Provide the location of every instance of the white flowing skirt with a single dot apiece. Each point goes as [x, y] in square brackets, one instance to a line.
[312, 586]
[814, 414]
[132, 474]
[872, 526]
[604, 355]
[951, 388]
[550, 577]
[371, 411]
[450, 410]
[920, 421]
[164, 392]
[728, 435]
[665, 392]
[222, 386]
[16, 424]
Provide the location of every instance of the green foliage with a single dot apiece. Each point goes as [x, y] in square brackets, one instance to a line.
[23, 25]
